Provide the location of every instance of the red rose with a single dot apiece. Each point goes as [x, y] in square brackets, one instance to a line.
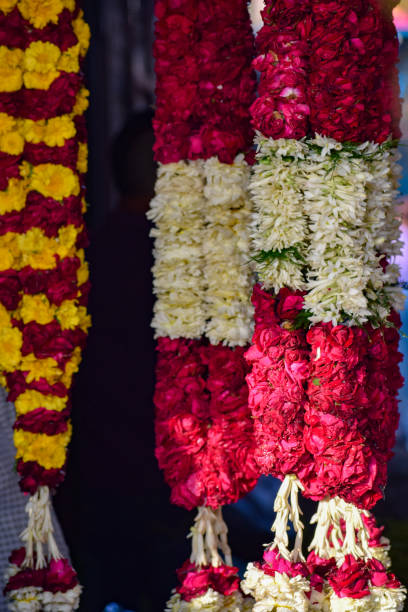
[60, 577]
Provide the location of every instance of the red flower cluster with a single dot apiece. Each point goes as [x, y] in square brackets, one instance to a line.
[327, 67]
[57, 577]
[277, 382]
[204, 433]
[205, 83]
[351, 419]
[282, 110]
[273, 563]
[353, 52]
[195, 581]
[353, 578]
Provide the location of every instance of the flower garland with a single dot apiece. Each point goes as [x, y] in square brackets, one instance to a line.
[201, 211]
[324, 235]
[43, 274]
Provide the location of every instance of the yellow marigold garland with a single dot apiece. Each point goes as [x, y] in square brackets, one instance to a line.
[43, 273]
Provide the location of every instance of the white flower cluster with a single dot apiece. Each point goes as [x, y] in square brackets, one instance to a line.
[348, 198]
[211, 601]
[27, 599]
[279, 223]
[34, 599]
[324, 219]
[381, 599]
[177, 211]
[202, 276]
[228, 275]
[276, 593]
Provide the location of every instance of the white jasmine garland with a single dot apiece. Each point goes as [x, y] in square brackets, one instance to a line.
[342, 257]
[276, 593]
[349, 193]
[28, 599]
[228, 274]
[348, 604]
[177, 211]
[387, 600]
[61, 602]
[279, 226]
[212, 602]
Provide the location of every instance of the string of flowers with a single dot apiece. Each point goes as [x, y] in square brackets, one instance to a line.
[43, 274]
[203, 427]
[324, 235]
[350, 284]
[279, 352]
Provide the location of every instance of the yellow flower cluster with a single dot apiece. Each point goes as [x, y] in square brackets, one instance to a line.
[47, 451]
[53, 132]
[38, 308]
[35, 249]
[40, 13]
[37, 67]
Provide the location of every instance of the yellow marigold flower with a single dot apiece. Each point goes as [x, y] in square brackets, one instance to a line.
[40, 12]
[69, 60]
[67, 237]
[82, 32]
[85, 319]
[69, 4]
[33, 131]
[81, 102]
[11, 58]
[84, 206]
[36, 308]
[3, 380]
[71, 367]
[11, 76]
[7, 123]
[26, 169]
[32, 399]
[82, 163]
[54, 181]
[40, 368]
[68, 315]
[41, 57]
[48, 451]
[7, 5]
[37, 250]
[58, 130]
[14, 197]
[6, 258]
[5, 319]
[11, 341]
[83, 273]
[38, 80]
[12, 143]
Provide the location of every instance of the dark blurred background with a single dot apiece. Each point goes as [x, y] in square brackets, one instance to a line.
[126, 540]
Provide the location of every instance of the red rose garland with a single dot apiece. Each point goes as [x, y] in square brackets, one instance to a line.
[201, 213]
[203, 433]
[43, 274]
[279, 353]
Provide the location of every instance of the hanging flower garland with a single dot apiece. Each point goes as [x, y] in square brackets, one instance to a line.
[344, 364]
[279, 352]
[324, 235]
[43, 275]
[201, 211]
